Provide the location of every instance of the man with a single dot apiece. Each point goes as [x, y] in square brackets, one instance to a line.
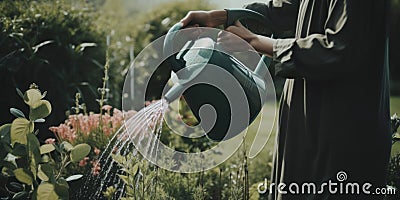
[334, 111]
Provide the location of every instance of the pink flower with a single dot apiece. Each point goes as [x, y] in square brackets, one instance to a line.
[83, 162]
[97, 151]
[50, 141]
[53, 129]
[115, 150]
[79, 125]
[107, 107]
[96, 167]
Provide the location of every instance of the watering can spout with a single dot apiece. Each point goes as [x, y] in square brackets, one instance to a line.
[174, 93]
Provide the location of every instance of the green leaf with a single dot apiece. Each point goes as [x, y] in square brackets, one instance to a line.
[46, 191]
[4, 150]
[21, 162]
[41, 111]
[74, 177]
[17, 113]
[81, 47]
[19, 150]
[47, 148]
[36, 48]
[7, 164]
[44, 94]
[21, 195]
[20, 93]
[5, 133]
[34, 153]
[124, 178]
[45, 159]
[32, 97]
[16, 186]
[135, 169]
[40, 121]
[20, 127]
[42, 175]
[62, 181]
[23, 176]
[79, 152]
[45, 172]
[62, 190]
[67, 146]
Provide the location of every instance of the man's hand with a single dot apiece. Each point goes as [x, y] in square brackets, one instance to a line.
[260, 43]
[239, 30]
[235, 38]
[211, 18]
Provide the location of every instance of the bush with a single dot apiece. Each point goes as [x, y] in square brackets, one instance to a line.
[28, 170]
[53, 43]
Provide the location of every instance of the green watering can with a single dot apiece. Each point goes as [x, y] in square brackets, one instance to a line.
[197, 58]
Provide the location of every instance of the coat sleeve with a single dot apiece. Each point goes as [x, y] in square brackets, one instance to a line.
[281, 15]
[334, 52]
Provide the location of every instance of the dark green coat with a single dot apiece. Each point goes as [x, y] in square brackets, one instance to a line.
[334, 111]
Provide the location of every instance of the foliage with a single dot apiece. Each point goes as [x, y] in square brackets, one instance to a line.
[184, 144]
[53, 43]
[95, 129]
[151, 26]
[86, 128]
[237, 178]
[157, 22]
[65, 42]
[28, 168]
[143, 180]
[395, 123]
[394, 164]
[394, 173]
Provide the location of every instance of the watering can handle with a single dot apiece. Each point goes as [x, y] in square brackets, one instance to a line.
[169, 39]
[232, 16]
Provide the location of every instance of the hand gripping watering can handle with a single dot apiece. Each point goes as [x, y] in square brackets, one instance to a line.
[233, 15]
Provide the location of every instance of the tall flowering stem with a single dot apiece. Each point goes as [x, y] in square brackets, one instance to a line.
[104, 89]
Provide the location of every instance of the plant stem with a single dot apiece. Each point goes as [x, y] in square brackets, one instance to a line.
[64, 163]
[103, 90]
[156, 180]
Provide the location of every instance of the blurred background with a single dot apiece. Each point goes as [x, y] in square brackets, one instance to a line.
[62, 47]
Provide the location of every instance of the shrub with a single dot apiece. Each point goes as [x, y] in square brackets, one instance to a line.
[87, 128]
[53, 43]
[31, 171]
[394, 164]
